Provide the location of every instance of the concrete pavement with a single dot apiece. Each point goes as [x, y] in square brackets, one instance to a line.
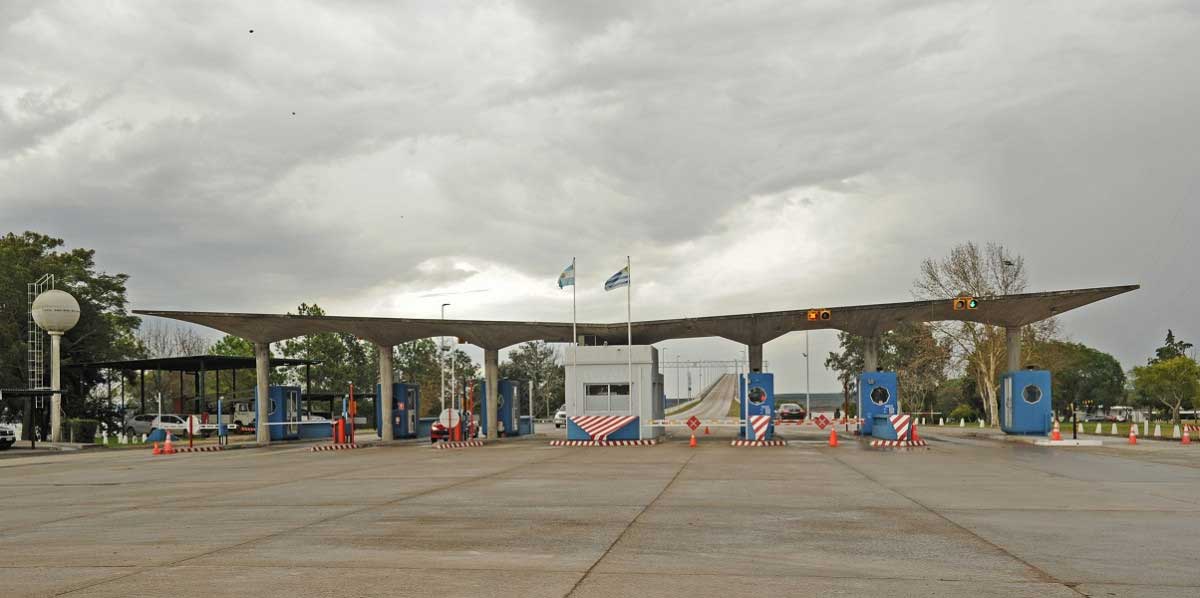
[519, 518]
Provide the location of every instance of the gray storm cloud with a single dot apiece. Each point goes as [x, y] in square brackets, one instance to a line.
[750, 156]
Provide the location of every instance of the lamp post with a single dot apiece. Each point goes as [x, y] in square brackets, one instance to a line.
[442, 360]
[807, 377]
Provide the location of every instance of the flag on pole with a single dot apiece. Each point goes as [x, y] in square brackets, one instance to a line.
[567, 278]
[618, 280]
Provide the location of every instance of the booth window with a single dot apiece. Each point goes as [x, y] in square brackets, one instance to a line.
[880, 395]
[603, 398]
[1032, 393]
[756, 395]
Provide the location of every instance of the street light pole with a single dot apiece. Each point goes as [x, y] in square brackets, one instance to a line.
[442, 360]
[807, 378]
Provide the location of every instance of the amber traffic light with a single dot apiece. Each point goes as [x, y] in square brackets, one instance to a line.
[819, 314]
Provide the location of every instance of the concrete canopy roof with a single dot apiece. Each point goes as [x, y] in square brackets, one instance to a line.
[750, 329]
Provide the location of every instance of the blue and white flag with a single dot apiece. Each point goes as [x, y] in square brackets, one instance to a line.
[567, 278]
[618, 280]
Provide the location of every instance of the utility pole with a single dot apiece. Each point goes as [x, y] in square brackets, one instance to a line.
[442, 360]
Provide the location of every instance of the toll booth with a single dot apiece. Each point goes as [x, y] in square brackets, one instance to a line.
[508, 416]
[757, 393]
[283, 412]
[1025, 402]
[406, 399]
[878, 395]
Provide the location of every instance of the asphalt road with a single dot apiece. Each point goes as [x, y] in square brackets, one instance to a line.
[715, 403]
[968, 516]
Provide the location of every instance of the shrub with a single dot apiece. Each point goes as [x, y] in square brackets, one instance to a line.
[963, 411]
[80, 430]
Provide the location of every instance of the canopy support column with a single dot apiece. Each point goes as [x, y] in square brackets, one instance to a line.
[491, 374]
[756, 357]
[262, 370]
[386, 431]
[1012, 337]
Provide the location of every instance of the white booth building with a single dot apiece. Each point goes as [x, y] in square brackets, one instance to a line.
[598, 384]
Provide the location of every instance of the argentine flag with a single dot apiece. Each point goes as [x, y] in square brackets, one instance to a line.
[567, 278]
[618, 280]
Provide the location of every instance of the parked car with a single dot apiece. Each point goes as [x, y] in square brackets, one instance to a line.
[8, 436]
[560, 417]
[792, 411]
[148, 422]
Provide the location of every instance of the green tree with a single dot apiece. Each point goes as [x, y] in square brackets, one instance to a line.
[910, 350]
[343, 359]
[1171, 349]
[1175, 383]
[105, 330]
[420, 362]
[977, 349]
[1082, 375]
[538, 362]
[848, 364]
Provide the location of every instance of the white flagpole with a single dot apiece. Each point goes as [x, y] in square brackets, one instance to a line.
[574, 331]
[629, 331]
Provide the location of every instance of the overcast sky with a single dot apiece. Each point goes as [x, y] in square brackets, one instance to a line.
[381, 159]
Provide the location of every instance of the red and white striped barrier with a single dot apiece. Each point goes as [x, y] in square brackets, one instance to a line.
[598, 427]
[897, 443]
[335, 447]
[903, 425]
[649, 442]
[741, 423]
[758, 443]
[458, 444]
[759, 423]
[199, 449]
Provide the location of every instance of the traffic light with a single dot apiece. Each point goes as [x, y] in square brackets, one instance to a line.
[961, 303]
[819, 314]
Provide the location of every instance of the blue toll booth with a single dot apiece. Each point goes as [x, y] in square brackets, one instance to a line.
[757, 393]
[283, 411]
[406, 399]
[1025, 402]
[877, 395]
[508, 417]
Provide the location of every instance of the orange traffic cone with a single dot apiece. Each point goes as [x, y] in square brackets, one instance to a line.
[915, 436]
[156, 451]
[1056, 434]
[1187, 436]
[692, 442]
[167, 448]
[706, 430]
[832, 437]
[1132, 434]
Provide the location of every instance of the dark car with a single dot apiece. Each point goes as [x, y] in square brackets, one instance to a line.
[792, 411]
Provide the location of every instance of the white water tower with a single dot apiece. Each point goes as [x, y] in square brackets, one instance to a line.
[55, 312]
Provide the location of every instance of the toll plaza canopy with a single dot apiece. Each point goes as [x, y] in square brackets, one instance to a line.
[1008, 311]
[188, 363]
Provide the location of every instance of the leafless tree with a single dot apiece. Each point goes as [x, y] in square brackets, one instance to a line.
[979, 349]
[171, 341]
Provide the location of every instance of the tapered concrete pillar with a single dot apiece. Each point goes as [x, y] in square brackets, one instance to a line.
[755, 353]
[1012, 335]
[56, 431]
[870, 353]
[386, 432]
[262, 371]
[491, 374]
